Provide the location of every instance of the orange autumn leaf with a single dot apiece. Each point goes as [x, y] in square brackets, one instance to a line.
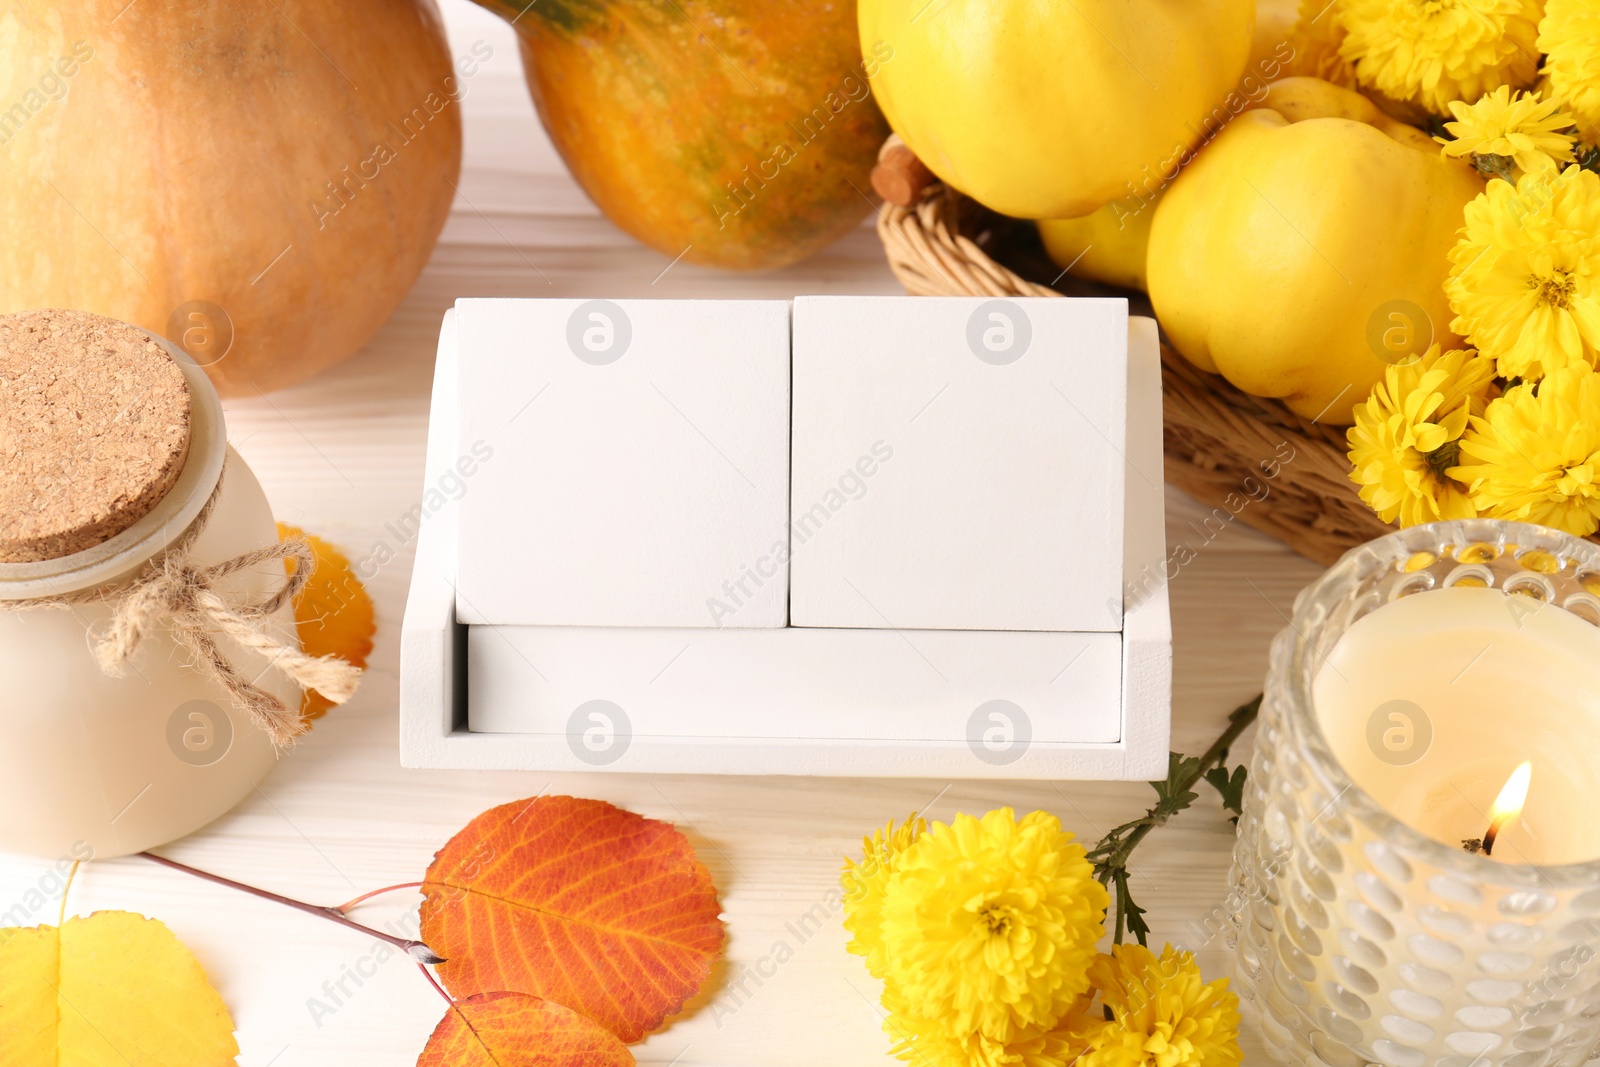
[576, 901]
[516, 1030]
[334, 614]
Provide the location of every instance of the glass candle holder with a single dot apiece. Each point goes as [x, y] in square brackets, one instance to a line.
[1364, 939]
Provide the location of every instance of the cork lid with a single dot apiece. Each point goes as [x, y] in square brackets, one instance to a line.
[94, 430]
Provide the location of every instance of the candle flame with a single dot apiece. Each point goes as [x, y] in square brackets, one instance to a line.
[1508, 805]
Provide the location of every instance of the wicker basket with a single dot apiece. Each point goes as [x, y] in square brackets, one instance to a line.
[1221, 445]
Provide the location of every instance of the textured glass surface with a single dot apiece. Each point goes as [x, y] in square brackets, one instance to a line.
[1359, 939]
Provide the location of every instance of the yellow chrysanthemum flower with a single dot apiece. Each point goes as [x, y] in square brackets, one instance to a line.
[1499, 133]
[1431, 52]
[1525, 275]
[1569, 35]
[1163, 1014]
[864, 885]
[926, 1042]
[1404, 437]
[989, 925]
[1534, 455]
[1316, 39]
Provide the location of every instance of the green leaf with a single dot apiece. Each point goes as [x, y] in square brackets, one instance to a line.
[1129, 913]
[1180, 768]
[1174, 794]
[1230, 787]
[1136, 924]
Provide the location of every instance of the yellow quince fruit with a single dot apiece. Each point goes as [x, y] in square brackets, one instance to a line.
[1046, 110]
[1107, 245]
[1305, 250]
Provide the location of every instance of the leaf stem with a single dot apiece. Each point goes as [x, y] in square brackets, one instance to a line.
[344, 909]
[448, 999]
[72, 875]
[415, 949]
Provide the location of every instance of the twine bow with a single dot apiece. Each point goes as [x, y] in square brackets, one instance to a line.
[175, 595]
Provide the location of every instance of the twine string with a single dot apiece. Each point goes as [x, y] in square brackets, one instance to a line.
[175, 595]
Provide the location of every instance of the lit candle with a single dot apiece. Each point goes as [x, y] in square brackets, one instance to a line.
[1508, 805]
[1431, 701]
[1417, 875]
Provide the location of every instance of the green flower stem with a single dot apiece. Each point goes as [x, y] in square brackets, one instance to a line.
[1174, 794]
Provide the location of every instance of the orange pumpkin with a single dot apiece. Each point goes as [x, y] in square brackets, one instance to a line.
[734, 133]
[262, 183]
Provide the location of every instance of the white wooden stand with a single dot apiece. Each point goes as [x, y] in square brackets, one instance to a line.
[860, 693]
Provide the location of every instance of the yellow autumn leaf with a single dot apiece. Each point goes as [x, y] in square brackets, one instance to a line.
[114, 989]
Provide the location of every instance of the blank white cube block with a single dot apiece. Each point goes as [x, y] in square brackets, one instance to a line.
[958, 463]
[640, 462]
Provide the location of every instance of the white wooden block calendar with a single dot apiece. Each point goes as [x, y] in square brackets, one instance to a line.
[647, 461]
[996, 503]
[932, 556]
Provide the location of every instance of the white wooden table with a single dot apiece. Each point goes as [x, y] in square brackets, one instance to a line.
[342, 456]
